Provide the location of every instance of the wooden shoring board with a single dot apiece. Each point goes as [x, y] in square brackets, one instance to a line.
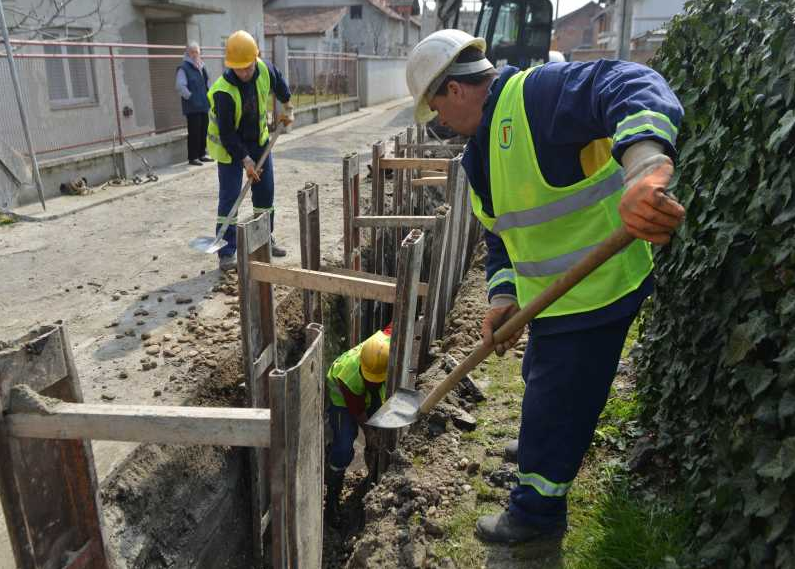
[309, 228]
[352, 253]
[402, 340]
[410, 221]
[422, 290]
[48, 488]
[430, 312]
[324, 282]
[297, 458]
[419, 148]
[430, 164]
[377, 234]
[161, 424]
[258, 323]
[449, 285]
[432, 181]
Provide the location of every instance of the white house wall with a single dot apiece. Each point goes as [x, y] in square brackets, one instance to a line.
[648, 15]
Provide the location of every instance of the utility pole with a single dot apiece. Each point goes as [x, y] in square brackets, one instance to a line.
[624, 29]
[23, 115]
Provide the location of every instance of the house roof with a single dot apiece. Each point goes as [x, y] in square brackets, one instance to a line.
[587, 7]
[380, 5]
[302, 21]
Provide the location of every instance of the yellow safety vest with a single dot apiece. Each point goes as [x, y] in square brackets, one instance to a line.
[346, 369]
[547, 229]
[214, 146]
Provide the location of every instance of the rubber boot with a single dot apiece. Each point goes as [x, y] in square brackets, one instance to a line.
[334, 481]
[505, 528]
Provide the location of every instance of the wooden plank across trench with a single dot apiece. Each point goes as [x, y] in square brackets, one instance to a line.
[162, 424]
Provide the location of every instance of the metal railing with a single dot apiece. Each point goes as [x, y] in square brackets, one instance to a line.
[322, 77]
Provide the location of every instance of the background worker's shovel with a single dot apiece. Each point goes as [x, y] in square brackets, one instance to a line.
[214, 244]
[406, 405]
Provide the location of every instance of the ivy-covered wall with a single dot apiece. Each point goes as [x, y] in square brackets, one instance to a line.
[717, 370]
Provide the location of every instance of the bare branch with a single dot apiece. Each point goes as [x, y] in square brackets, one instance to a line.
[50, 19]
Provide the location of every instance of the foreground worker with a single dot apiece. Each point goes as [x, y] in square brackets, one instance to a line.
[558, 157]
[357, 389]
[238, 134]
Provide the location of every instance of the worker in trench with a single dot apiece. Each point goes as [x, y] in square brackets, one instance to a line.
[356, 385]
[558, 157]
[238, 134]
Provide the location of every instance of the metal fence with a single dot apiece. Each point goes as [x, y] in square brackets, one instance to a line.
[83, 95]
[322, 77]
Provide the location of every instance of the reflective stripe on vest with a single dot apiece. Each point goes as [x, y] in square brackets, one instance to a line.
[544, 486]
[346, 369]
[547, 229]
[215, 148]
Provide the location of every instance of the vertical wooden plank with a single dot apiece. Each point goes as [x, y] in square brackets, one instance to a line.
[398, 180]
[450, 285]
[309, 228]
[297, 444]
[430, 310]
[352, 240]
[402, 341]
[48, 488]
[377, 234]
[258, 323]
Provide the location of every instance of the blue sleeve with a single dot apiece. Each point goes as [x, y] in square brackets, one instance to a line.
[278, 84]
[577, 103]
[500, 276]
[225, 115]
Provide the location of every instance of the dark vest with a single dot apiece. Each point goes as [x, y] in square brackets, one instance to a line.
[197, 85]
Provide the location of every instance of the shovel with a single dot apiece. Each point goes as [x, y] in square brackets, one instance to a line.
[214, 244]
[406, 405]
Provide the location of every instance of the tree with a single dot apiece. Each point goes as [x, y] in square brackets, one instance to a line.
[54, 19]
[376, 27]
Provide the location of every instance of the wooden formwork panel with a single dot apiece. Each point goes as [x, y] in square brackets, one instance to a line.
[309, 226]
[258, 322]
[297, 459]
[351, 240]
[49, 488]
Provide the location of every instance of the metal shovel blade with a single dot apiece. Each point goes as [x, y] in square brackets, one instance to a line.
[207, 244]
[400, 410]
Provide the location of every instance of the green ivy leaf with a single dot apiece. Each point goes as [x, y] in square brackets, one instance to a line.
[782, 132]
[783, 465]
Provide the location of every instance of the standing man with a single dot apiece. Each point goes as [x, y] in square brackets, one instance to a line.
[357, 389]
[238, 134]
[558, 157]
[192, 85]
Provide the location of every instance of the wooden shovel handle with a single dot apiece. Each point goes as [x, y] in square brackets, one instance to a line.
[617, 241]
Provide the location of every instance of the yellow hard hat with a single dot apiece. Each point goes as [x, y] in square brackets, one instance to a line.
[374, 358]
[241, 50]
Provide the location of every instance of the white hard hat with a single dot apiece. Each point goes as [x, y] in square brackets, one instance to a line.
[556, 57]
[429, 62]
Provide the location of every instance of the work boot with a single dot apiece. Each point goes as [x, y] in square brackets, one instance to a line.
[195, 162]
[334, 482]
[512, 450]
[277, 251]
[506, 528]
[206, 159]
[227, 262]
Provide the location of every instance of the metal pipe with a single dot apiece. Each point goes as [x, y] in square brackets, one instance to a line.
[175, 57]
[115, 96]
[22, 111]
[108, 44]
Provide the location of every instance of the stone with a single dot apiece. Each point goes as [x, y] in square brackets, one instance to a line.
[123, 375]
[466, 488]
[153, 350]
[130, 333]
[432, 511]
[211, 363]
[184, 276]
[145, 335]
[160, 299]
[193, 354]
[113, 324]
[157, 393]
[172, 313]
[414, 555]
[141, 312]
[115, 297]
[166, 337]
[140, 323]
[144, 297]
[119, 336]
[108, 397]
[183, 299]
[641, 454]
[473, 468]
[464, 421]
[433, 529]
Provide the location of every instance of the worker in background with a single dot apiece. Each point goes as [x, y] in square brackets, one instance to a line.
[558, 157]
[238, 134]
[356, 385]
[192, 84]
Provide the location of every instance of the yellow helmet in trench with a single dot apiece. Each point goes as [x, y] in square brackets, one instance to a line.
[374, 358]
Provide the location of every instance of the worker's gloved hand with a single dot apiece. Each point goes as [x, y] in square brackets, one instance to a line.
[647, 211]
[287, 117]
[503, 306]
[251, 169]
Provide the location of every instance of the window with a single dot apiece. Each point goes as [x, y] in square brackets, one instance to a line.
[356, 12]
[506, 29]
[70, 81]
